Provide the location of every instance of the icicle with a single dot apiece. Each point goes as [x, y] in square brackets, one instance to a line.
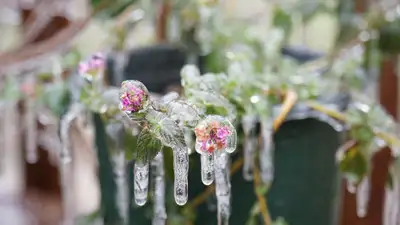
[116, 132]
[181, 169]
[188, 135]
[207, 168]
[141, 185]
[3, 131]
[351, 187]
[391, 213]
[65, 162]
[160, 213]
[363, 191]
[266, 153]
[30, 122]
[222, 186]
[121, 182]
[249, 146]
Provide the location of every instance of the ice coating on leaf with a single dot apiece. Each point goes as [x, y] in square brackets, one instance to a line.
[92, 66]
[182, 112]
[362, 196]
[189, 74]
[166, 129]
[141, 183]
[181, 169]
[222, 185]
[266, 153]
[134, 97]
[215, 133]
[160, 213]
[214, 99]
[207, 168]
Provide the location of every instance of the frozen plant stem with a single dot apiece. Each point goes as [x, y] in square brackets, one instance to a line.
[181, 169]
[141, 183]
[160, 213]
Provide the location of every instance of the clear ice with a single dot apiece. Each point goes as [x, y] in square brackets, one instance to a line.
[181, 170]
[141, 183]
[31, 130]
[222, 186]
[362, 196]
[266, 153]
[249, 146]
[158, 176]
[207, 168]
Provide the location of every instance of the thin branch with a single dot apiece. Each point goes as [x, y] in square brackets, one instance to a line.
[289, 101]
[262, 203]
[388, 138]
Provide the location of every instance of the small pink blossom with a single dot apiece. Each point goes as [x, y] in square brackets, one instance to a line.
[132, 98]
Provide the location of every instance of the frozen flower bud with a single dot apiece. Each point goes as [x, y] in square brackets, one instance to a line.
[215, 133]
[134, 97]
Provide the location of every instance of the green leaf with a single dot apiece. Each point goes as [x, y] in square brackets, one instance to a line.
[11, 89]
[55, 96]
[354, 164]
[148, 146]
[282, 19]
[130, 143]
[168, 163]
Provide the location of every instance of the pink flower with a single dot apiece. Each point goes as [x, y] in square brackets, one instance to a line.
[212, 137]
[133, 98]
[91, 66]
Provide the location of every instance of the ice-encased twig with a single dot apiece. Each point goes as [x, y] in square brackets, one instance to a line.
[157, 168]
[362, 196]
[267, 151]
[249, 145]
[65, 162]
[222, 186]
[181, 170]
[207, 168]
[141, 183]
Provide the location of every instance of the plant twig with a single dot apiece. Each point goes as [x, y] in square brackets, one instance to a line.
[288, 102]
[388, 138]
[203, 196]
[262, 203]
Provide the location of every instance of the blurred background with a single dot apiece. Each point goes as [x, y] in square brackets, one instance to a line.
[43, 41]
